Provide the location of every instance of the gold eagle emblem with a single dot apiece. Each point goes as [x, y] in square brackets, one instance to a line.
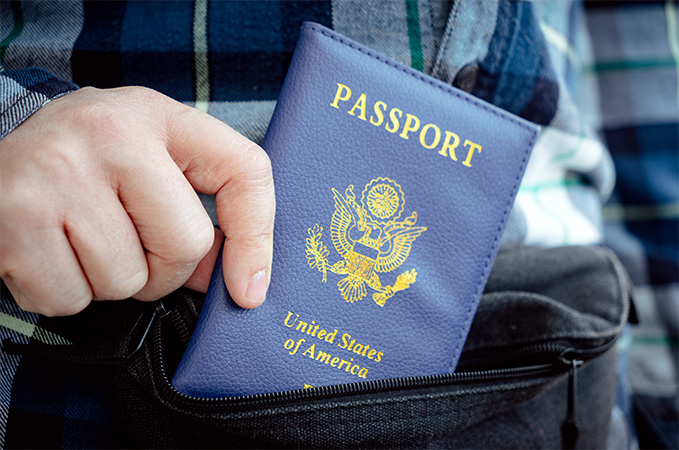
[371, 239]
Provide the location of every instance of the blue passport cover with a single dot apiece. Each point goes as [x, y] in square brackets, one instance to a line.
[393, 190]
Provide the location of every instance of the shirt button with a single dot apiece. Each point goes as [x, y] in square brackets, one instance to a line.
[466, 78]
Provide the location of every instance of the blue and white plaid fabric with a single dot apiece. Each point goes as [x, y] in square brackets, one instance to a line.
[24, 92]
[635, 48]
[600, 80]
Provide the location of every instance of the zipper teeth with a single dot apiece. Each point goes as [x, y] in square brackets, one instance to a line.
[344, 390]
[404, 383]
[180, 325]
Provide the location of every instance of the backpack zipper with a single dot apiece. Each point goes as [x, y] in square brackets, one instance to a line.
[567, 359]
[562, 358]
[569, 427]
[558, 358]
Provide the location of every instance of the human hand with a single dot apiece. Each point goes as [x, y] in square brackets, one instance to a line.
[97, 201]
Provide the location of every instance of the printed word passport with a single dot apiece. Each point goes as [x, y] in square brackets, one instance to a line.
[392, 193]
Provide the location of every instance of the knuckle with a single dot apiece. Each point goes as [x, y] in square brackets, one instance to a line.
[59, 295]
[68, 307]
[203, 242]
[194, 245]
[182, 124]
[16, 205]
[190, 242]
[98, 113]
[255, 167]
[74, 306]
[43, 166]
[141, 93]
[123, 286]
[254, 241]
[120, 113]
[86, 93]
[255, 164]
[21, 213]
[106, 116]
[142, 99]
[88, 90]
[62, 163]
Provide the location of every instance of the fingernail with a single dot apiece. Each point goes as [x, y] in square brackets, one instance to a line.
[256, 292]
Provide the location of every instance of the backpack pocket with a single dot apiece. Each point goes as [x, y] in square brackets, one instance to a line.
[537, 370]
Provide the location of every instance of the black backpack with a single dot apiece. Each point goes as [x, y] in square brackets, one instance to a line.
[538, 371]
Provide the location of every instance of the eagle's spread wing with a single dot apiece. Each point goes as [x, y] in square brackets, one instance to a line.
[400, 242]
[342, 220]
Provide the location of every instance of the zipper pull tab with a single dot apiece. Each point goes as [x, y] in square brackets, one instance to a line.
[569, 429]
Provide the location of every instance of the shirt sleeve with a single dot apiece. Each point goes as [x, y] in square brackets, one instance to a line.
[24, 91]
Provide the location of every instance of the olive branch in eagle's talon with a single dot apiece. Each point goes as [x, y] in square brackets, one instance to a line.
[316, 251]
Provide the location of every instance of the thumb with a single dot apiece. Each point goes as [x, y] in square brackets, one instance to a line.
[217, 160]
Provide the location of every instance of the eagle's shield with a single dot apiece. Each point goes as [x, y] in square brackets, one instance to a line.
[378, 218]
[361, 261]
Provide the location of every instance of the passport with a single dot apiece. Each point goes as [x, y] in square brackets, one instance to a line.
[393, 190]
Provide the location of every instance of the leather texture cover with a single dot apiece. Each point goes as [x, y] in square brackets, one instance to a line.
[393, 190]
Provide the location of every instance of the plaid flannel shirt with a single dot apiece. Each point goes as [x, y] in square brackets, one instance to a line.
[586, 75]
[635, 48]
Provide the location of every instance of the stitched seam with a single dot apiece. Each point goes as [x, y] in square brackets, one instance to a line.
[496, 241]
[450, 26]
[421, 77]
[431, 32]
[451, 91]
